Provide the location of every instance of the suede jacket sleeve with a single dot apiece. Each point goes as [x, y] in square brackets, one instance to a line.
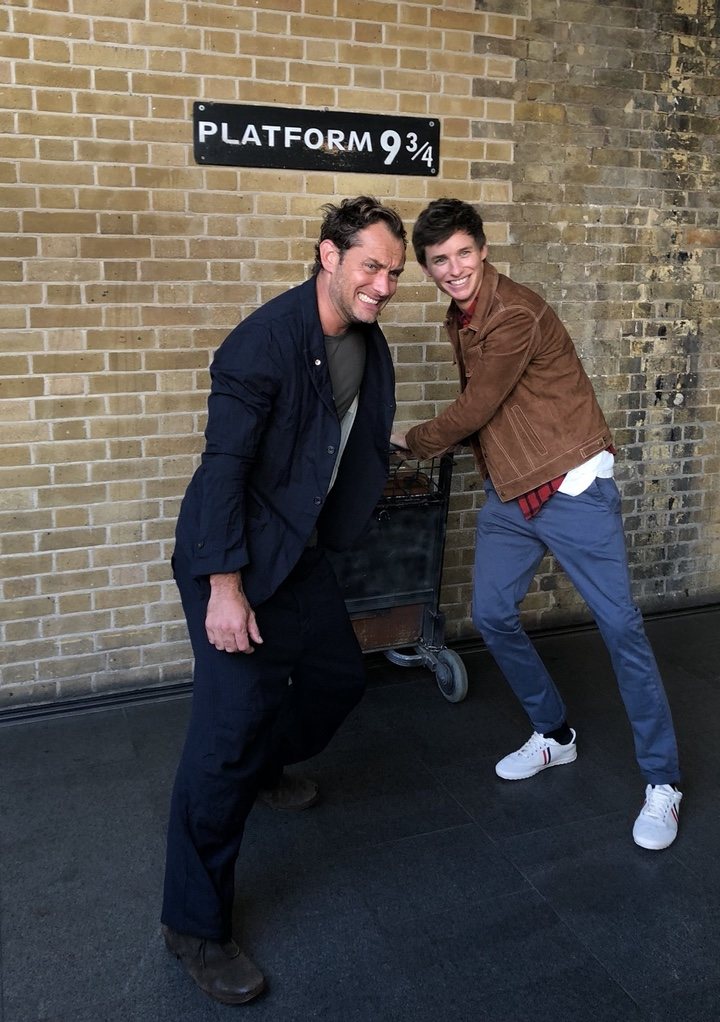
[527, 405]
[493, 362]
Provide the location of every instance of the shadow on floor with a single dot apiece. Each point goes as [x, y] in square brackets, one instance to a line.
[421, 889]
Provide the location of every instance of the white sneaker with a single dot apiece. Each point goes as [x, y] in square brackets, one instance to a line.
[537, 754]
[657, 825]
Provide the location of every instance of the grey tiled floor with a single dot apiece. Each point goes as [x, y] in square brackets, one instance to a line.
[421, 889]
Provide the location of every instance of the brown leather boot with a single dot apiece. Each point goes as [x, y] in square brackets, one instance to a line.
[290, 792]
[219, 968]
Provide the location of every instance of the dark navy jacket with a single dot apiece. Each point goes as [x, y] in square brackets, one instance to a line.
[271, 439]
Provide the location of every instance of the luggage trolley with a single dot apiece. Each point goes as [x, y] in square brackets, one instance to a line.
[390, 578]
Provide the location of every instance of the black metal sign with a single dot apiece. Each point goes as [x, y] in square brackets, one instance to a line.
[269, 136]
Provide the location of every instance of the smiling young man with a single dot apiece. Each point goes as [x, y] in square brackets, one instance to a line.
[545, 452]
[296, 456]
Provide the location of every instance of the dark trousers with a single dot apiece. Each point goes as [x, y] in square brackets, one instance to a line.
[248, 720]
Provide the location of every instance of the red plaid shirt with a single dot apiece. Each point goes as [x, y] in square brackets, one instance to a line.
[465, 315]
[531, 502]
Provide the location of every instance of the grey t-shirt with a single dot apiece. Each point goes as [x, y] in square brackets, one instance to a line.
[346, 365]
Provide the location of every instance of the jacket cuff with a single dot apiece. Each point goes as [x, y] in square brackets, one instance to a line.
[418, 445]
[216, 562]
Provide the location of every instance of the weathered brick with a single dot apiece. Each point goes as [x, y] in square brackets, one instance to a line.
[237, 18]
[46, 23]
[14, 47]
[125, 264]
[370, 10]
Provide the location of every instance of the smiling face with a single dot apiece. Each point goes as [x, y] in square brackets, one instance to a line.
[456, 266]
[354, 286]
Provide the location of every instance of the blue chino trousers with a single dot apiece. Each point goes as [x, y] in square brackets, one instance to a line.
[585, 534]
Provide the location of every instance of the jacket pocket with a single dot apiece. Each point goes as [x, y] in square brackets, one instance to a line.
[470, 358]
[524, 431]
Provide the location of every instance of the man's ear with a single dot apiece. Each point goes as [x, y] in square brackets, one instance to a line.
[329, 255]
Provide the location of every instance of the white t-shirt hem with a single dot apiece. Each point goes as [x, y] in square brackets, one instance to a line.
[578, 479]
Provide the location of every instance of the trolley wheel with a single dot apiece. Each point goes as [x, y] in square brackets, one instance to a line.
[400, 659]
[451, 675]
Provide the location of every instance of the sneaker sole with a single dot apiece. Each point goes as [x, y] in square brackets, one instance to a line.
[546, 766]
[653, 847]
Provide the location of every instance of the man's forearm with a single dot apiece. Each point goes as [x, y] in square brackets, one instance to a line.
[225, 582]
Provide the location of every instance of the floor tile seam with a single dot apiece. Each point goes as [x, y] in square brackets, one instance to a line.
[454, 828]
[475, 818]
[682, 863]
[614, 980]
[406, 837]
[524, 834]
[585, 946]
[531, 870]
[605, 968]
[483, 903]
[454, 798]
[598, 957]
[2, 966]
[443, 787]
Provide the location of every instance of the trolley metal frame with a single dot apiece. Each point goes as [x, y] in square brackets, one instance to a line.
[391, 577]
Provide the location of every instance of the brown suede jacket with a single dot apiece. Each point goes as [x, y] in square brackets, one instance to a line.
[526, 403]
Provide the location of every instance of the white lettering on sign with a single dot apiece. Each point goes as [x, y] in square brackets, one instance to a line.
[251, 135]
[360, 143]
[271, 129]
[205, 129]
[231, 135]
[312, 138]
[226, 139]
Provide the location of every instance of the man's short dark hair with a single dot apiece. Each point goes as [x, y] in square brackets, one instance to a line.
[343, 222]
[440, 220]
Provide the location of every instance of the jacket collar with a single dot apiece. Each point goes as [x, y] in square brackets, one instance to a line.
[485, 296]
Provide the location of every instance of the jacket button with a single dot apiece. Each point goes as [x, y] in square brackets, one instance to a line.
[318, 361]
[331, 449]
[201, 544]
[317, 501]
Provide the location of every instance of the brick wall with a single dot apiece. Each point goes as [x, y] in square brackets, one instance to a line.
[584, 132]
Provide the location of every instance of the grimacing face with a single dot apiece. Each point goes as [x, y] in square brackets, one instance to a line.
[364, 277]
[456, 266]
